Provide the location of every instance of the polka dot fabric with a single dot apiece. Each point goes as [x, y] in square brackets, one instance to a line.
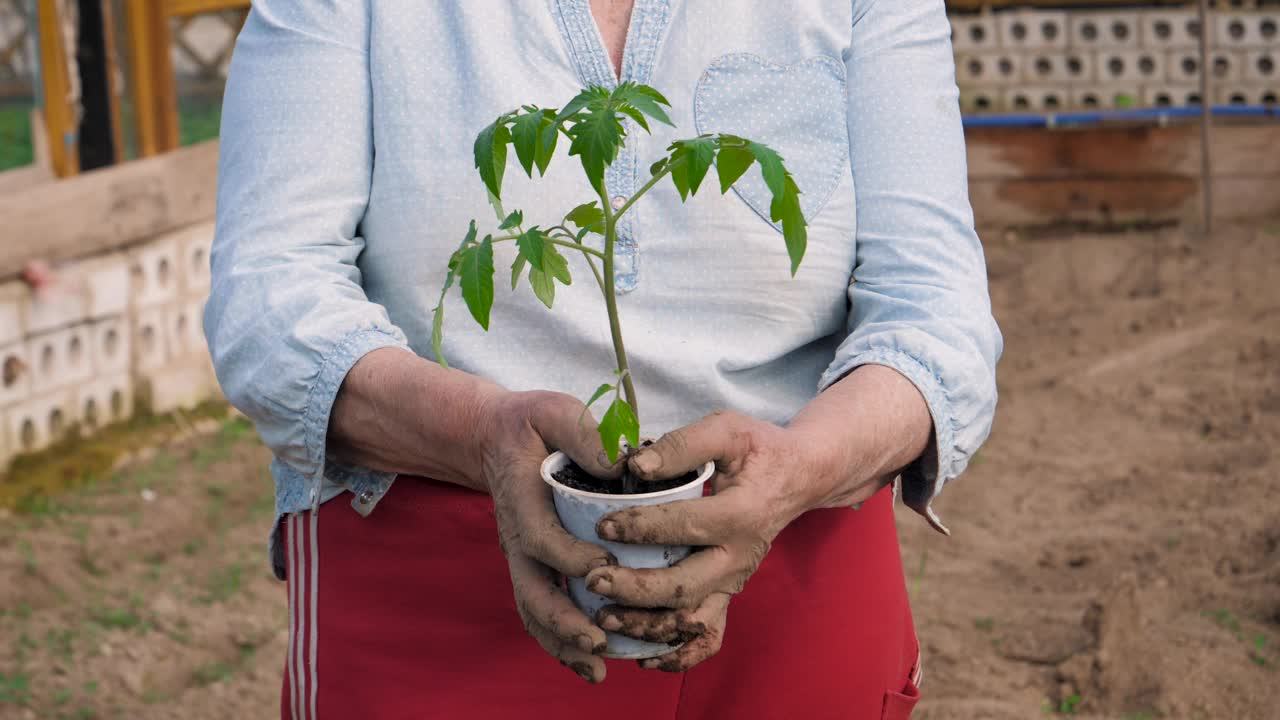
[798, 110]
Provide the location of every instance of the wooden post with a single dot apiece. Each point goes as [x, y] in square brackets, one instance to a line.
[155, 95]
[55, 81]
[1206, 123]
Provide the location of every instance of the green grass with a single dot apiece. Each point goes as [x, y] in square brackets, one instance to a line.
[15, 136]
[198, 120]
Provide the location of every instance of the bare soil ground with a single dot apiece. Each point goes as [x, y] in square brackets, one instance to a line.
[1116, 548]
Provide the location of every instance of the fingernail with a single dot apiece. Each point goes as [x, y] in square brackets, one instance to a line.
[600, 584]
[605, 561]
[583, 670]
[608, 530]
[647, 462]
[604, 645]
[585, 643]
[649, 664]
[611, 623]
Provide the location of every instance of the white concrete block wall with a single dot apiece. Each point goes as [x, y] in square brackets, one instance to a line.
[1131, 66]
[1262, 66]
[110, 338]
[57, 305]
[149, 339]
[982, 99]
[1183, 66]
[60, 359]
[106, 284]
[1238, 30]
[1097, 30]
[1170, 29]
[15, 374]
[13, 296]
[1082, 67]
[970, 33]
[1170, 95]
[39, 421]
[1033, 30]
[196, 245]
[1036, 99]
[155, 269]
[186, 336]
[1046, 67]
[105, 400]
[180, 385]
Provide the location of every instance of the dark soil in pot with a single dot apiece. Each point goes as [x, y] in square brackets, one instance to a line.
[573, 476]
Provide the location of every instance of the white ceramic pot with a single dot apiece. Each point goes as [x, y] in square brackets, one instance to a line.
[580, 511]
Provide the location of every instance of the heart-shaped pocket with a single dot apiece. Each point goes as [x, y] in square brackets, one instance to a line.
[798, 110]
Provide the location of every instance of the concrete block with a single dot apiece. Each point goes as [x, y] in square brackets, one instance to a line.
[1170, 29]
[1240, 94]
[1239, 30]
[1105, 97]
[1270, 95]
[103, 401]
[60, 359]
[980, 100]
[1081, 66]
[989, 69]
[1131, 66]
[15, 374]
[186, 334]
[1035, 99]
[1262, 66]
[179, 385]
[1170, 95]
[13, 314]
[154, 272]
[149, 339]
[105, 282]
[1046, 68]
[39, 421]
[59, 304]
[196, 243]
[1033, 29]
[109, 339]
[974, 33]
[1094, 30]
[1183, 66]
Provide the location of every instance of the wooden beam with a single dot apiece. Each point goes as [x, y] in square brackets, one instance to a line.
[181, 8]
[109, 208]
[155, 94]
[59, 114]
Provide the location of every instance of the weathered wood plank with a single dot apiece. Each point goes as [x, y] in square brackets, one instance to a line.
[108, 208]
[1238, 150]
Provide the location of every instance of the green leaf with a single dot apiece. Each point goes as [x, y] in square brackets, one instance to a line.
[555, 264]
[599, 393]
[635, 114]
[525, 136]
[594, 96]
[531, 244]
[597, 136]
[544, 286]
[512, 220]
[546, 141]
[476, 270]
[585, 215]
[786, 209]
[618, 421]
[771, 167]
[646, 100]
[731, 163]
[491, 154]
[658, 167]
[698, 154]
[680, 178]
[517, 268]
[437, 322]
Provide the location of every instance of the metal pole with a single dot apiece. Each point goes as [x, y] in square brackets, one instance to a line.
[1206, 121]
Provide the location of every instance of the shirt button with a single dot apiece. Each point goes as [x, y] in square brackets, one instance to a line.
[366, 497]
[618, 202]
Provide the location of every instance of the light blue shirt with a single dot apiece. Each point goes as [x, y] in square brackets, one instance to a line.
[346, 180]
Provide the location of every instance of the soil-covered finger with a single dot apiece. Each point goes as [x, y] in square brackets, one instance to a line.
[583, 664]
[567, 425]
[705, 628]
[543, 538]
[683, 585]
[542, 602]
[659, 626]
[708, 520]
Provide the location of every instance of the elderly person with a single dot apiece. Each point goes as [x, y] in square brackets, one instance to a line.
[409, 500]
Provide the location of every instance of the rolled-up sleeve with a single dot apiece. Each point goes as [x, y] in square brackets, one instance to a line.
[919, 300]
[287, 316]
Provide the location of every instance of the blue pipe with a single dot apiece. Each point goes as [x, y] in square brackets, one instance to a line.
[1094, 117]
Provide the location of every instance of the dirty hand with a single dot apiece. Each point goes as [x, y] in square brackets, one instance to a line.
[763, 478]
[519, 429]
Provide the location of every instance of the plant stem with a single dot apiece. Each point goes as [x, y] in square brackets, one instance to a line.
[611, 299]
[645, 188]
[555, 241]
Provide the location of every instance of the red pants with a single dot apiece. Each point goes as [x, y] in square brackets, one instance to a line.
[408, 613]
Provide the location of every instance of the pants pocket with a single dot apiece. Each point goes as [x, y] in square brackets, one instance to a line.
[898, 705]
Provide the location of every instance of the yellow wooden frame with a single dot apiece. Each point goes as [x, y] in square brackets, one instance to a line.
[59, 114]
[182, 8]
